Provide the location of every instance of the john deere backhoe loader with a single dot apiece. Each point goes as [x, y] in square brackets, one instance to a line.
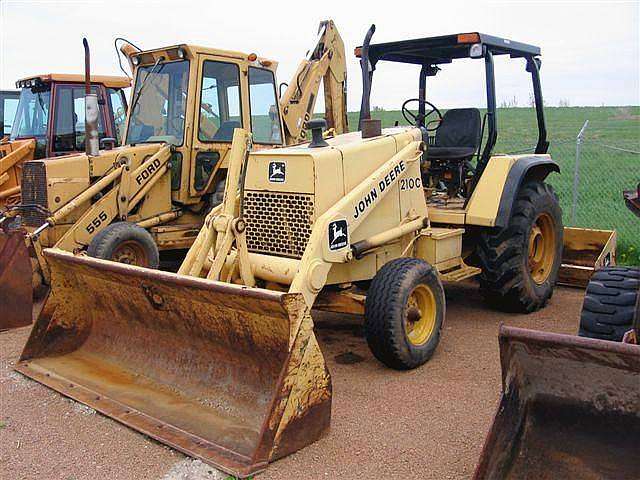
[220, 360]
[130, 203]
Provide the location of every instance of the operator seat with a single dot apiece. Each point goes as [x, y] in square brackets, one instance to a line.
[225, 132]
[458, 136]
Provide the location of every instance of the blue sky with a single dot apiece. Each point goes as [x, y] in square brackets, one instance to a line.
[591, 50]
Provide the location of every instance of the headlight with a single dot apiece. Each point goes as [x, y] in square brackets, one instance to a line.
[135, 60]
[476, 50]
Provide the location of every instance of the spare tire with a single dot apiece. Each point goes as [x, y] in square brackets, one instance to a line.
[611, 303]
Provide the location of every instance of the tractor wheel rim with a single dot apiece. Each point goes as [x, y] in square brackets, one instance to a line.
[542, 251]
[420, 315]
[130, 253]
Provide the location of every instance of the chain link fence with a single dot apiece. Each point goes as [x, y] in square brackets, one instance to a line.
[594, 174]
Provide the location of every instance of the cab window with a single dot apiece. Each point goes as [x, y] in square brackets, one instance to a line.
[33, 113]
[119, 109]
[69, 127]
[265, 115]
[8, 109]
[220, 110]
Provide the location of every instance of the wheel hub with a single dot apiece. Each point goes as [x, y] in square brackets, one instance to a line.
[420, 316]
[542, 248]
[130, 253]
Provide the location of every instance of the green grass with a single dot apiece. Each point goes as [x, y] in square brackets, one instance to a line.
[604, 172]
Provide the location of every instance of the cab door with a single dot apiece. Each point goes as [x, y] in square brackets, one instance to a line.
[219, 110]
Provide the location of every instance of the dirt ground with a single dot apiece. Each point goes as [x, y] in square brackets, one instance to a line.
[428, 423]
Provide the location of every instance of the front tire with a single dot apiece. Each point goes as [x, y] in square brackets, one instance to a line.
[610, 306]
[404, 312]
[520, 263]
[125, 242]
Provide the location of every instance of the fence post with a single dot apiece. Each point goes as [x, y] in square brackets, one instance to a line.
[576, 172]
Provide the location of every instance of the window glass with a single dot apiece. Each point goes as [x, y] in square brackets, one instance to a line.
[265, 116]
[69, 127]
[220, 111]
[10, 107]
[119, 109]
[33, 113]
[159, 103]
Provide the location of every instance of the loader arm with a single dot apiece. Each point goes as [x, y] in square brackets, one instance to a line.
[326, 63]
[127, 189]
[12, 154]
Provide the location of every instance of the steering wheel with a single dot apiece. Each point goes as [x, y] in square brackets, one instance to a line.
[415, 119]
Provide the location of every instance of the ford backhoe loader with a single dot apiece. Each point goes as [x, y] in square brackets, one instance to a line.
[130, 203]
[220, 359]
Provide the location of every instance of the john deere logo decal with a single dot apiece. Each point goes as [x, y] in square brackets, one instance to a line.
[277, 172]
[338, 235]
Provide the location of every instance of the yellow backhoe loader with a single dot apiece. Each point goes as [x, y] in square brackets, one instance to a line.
[47, 120]
[130, 203]
[220, 360]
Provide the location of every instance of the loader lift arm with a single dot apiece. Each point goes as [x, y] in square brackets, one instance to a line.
[325, 62]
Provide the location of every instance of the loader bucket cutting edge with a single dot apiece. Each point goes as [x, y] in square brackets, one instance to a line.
[16, 290]
[228, 374]
[570, 408]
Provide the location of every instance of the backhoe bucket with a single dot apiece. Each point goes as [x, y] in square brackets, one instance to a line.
[570, 408]
[585, 250]
[16, 290]
[225, 373]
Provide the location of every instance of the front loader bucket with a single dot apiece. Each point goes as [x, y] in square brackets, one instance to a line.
[584, 251]
[228, 374]
[16, 290]
[570, 408]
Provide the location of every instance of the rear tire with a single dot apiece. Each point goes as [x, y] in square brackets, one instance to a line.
[125, 242]
[404, 312]
[520, 263]
[610, 305]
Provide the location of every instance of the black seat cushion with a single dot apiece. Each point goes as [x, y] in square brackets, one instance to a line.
[458, 136]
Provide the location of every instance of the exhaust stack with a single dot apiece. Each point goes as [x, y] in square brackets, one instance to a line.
[91, 111]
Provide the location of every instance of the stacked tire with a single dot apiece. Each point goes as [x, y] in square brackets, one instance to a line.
[611, 303]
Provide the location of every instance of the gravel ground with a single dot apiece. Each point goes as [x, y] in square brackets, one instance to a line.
[428, 423]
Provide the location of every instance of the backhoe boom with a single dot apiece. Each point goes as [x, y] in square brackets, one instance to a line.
[326, 63]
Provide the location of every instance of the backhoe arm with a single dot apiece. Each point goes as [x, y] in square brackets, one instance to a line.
[326, 63]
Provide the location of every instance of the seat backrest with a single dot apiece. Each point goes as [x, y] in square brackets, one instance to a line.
[225, 132]
[460, 127]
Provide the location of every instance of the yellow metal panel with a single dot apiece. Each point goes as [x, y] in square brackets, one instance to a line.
[483, 205]
[298, 168]
[440, 245]
[440, 215]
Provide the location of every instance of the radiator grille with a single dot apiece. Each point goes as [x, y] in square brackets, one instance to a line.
[278, 223]
[34, 193]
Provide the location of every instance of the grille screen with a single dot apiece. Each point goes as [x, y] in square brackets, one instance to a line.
[278, 223]
[34, 192]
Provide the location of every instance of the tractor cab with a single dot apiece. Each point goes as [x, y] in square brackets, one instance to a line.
[51, 111]
[455, 137]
